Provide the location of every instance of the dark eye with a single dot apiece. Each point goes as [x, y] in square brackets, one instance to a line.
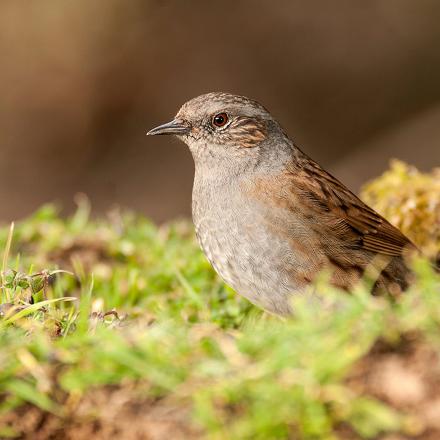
[220, 120]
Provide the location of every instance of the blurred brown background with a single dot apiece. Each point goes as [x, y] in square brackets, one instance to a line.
[353, 82]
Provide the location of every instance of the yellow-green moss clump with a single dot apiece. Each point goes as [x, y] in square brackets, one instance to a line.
[410, 200]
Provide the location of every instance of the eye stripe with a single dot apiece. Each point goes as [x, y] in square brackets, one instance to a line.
[242, 121]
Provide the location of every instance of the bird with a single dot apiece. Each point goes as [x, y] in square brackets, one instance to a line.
[269, 218]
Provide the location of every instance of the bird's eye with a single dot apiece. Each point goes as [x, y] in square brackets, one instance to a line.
[220, 120]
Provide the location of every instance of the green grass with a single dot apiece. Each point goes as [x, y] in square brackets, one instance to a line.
[145, 312]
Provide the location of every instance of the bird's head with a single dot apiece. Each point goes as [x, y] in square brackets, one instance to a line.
[221, 125]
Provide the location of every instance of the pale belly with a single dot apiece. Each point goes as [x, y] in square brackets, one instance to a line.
[250, 259]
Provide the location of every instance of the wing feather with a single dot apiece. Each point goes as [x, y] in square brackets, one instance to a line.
[345, 214]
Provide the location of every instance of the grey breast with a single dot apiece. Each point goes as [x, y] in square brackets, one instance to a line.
[236, 239]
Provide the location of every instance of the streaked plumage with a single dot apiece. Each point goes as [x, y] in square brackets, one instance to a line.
[269, 218]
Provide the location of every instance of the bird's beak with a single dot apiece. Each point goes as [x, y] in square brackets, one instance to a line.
[176, 126]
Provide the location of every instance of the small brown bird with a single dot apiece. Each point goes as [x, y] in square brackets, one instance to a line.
[268, 217]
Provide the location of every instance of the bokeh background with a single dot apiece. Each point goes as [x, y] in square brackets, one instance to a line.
[353, 82]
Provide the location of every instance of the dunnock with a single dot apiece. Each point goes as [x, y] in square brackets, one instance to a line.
[268, 217]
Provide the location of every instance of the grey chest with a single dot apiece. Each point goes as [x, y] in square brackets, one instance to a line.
[241, 248]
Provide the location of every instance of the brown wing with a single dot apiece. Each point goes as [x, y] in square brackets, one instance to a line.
[345, 214]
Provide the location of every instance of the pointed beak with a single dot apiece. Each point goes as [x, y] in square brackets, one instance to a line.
[176, 126]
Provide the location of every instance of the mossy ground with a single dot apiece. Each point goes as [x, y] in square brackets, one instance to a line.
[140, 339]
